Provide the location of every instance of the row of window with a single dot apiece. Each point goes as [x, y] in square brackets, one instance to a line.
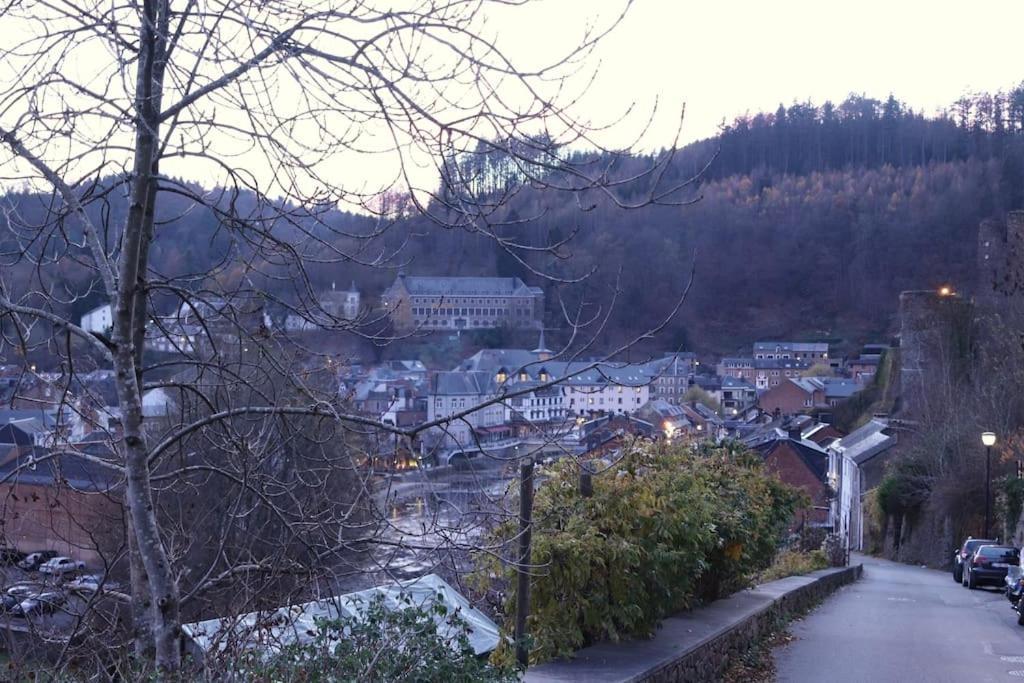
[460, 300]
[468, 311]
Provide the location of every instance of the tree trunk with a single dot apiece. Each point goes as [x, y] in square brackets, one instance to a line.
[160, 584]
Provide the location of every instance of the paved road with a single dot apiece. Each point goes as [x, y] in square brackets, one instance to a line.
[904, 623]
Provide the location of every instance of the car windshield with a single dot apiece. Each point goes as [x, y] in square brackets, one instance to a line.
[996, 552]
[971, 546]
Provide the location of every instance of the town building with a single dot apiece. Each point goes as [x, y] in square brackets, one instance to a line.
[99, 319]
[737, 367]
[60, 501]
[736, 395]
[771, 372]
[333, 307]
[803, 464]
[671, 376]
[856, 467]
[814, 352]
[804, 394]
[462, 303]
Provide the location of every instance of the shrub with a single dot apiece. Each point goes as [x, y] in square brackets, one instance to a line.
[794, 563]
[383, 644]
[664, 527]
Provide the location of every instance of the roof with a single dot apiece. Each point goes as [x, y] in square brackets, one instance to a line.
[466, 286]
[491, 360]
[805, 347]
[46, 418]
[812, 455]
[457, 383]
[832, 387]
[730, 382]
[273, 630]
[864, 443]
[781, 364]
[35, 466]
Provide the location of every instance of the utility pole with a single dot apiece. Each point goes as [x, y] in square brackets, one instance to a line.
[523, 570]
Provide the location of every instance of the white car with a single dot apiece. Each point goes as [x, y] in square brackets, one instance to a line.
[89, 583]
[59, 566]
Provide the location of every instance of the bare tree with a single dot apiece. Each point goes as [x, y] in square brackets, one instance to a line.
[264, 107]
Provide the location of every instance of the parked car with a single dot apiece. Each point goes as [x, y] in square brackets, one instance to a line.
[1014, 584]
[8, 603]
[24, 590]
[34, 560]
[59, 566]
[41, 603]
[965, 551]
[9, 555]
[989, 565]
[89, 583]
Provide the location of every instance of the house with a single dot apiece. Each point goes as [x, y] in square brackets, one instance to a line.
[333, 307]
[667, 417]
[863, 369]
[857, 467]
[736, 395]
[807, 394]
[671, 375]
[204, 320]
[738, 368]
[771, 372]
[604, 436]
[30, 427]
[462, 303]
[804, 465]
[454, 392]
[706, 422]
[812, 352]
[99, 319]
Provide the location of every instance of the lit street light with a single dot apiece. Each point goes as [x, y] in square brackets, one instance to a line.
[989, 440]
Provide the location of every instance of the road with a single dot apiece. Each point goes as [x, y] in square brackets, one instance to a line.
[905, 623]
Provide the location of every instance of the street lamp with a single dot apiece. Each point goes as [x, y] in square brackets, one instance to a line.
[989, 440]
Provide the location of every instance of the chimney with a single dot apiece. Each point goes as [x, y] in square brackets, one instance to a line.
[795, 433]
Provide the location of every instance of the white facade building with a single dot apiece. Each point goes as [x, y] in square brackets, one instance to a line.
[99, 319]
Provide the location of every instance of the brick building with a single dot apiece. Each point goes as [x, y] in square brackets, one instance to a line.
[63, 503]
[803, 464]
[463, 303]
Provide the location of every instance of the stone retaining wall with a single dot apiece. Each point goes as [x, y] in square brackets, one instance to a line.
[698, 645]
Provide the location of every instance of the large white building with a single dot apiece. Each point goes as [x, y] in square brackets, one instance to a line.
[99, 319]
[462, 303]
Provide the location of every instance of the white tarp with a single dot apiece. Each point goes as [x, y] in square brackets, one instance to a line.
[271, 630]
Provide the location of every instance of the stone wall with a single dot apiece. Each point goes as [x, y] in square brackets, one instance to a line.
[698, 645]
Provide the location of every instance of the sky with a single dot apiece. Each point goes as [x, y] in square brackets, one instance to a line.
[725, 57]
[716, 58]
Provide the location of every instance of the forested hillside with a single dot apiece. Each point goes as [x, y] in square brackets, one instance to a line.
[809, 221]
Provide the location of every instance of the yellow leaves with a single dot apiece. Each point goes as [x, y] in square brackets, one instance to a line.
[734, 551]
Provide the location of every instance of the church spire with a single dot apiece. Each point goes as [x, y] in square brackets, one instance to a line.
[542, 351]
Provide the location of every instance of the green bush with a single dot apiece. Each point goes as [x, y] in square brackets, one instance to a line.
[794, 563]
[664, 528]
[382, 645]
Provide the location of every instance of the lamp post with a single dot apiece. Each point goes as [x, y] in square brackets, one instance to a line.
[989, 440]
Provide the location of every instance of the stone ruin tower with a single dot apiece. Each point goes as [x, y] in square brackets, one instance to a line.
[1000, 259]
[935, 341]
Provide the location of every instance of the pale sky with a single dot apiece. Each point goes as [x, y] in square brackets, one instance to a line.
[728, 56]
[719, 58]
